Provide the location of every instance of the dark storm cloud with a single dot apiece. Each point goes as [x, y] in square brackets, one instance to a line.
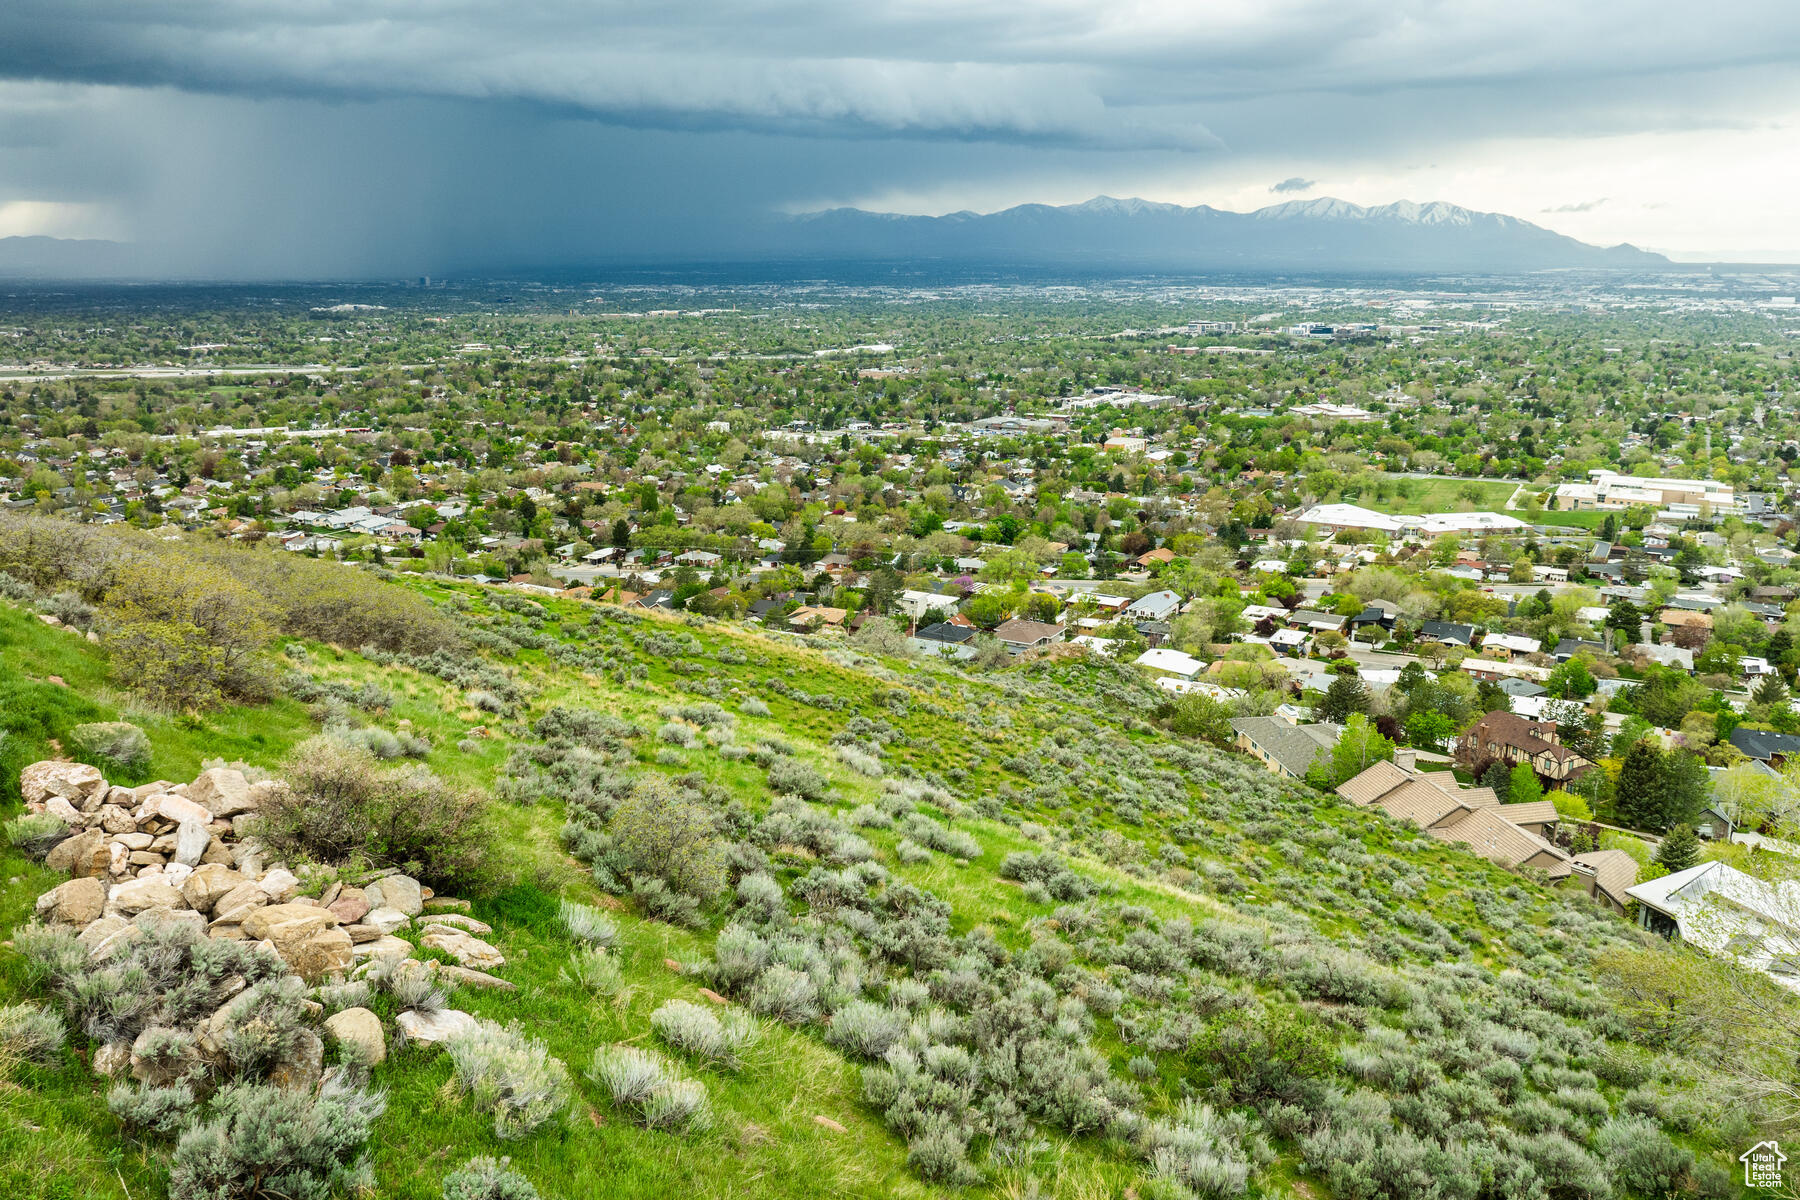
[388, 135]
[1293, 184]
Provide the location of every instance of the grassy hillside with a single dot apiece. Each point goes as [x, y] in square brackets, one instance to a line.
[1366, 1011]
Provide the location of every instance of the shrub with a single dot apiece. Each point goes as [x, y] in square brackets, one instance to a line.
[510, 1075]
[1640, 1157]
[784, 994]
[268, 1143]
[760, 898]
[791, 777]
[35, 834]
[675, 733]
[669, 836]
[592, 969]
[662, 904]
[909, 851]
[487, 1179]
[588, 924]
[752, 707]
[696, 1031]
[865, 1029]
[338, 806]
[118, 744]
[264, 1025]
[158, 1110]
[642, 1083]
[31, 1034]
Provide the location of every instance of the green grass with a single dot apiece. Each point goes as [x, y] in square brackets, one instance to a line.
[766, 1142]
[1439, 495]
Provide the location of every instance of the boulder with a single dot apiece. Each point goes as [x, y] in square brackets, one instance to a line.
[280, 884]
[363, 933]
[327, 954]
[77, 902]
[83, 854]
[223, 791]
[456, 921]
[113, 1060]
[114, 819]
[300, 1071]
[464, 977]
[133, 840]
[446, 904]
[99, 930]
[467, 950]
[428, 1029]
[217, 852]
[260, 791]
[177, 874]
[167, 806]
[361, 1029]
[191, 840]
[383, 947]
[372, 893]
[170, 916]
[118, 937]
[350, 905]
[402, 892]
[137, 895]
[210, 883]
[226, 930]
[65, 812]
[387, 919]
[287, 922]
[240, 901]
[75, 782]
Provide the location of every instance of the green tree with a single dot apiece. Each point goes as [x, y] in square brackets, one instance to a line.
[1523, 786]
[1360, 746]
[1428, 730]
[1571, 681]
[1347, 694]
[1680, 849]
[1640, 798]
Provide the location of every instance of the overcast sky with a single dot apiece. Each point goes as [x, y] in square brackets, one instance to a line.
[334, 137]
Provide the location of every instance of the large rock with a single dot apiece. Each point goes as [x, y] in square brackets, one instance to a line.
[387, 919]
[210, 883]
[327, 954]
[138, 895]
[456, 921]
[279, 922]
[191, 840]
[467, 950]
[464, 977]
[77, 902]
[83, 854]
[65, 812]
[77, 783]
[240, 901]
[118, 820]
[383, 947]
[167, 1069]
[361, 1029]
[300, 1071]
[223, 791]
[281, 884]
[350, 905]
[112, 1060]
[402, 892]
[428, 1029]
[168, 806]
[306, 937]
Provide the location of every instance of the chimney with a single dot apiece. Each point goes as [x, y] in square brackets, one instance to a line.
[1406, 758]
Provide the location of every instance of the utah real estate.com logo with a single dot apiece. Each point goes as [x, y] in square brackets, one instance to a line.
[1762, 1165]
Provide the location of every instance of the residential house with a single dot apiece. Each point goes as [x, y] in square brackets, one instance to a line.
[1607, 875]
[1287, 749]
[1723, 911]
[1447, 633]
[1175, 662]
[1436, 803]
[1020, 635]
[1504, 645]
[1568, 648]
[1765, 745]
[1157, 606]
[1513, 739]
[1315, 621]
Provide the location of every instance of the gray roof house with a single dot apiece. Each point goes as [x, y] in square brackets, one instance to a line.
[1157, 606]
[1287, 749]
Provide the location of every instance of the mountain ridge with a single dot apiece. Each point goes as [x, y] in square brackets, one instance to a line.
[1324, 232]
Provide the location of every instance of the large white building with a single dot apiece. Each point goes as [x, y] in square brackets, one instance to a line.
[1354, 516]
[1610, 490]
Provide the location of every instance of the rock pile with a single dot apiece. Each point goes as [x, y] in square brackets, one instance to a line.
[188, 853]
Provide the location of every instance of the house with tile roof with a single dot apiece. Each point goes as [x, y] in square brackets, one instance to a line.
[1436, 803]
[1607, 875]
[1287, 749]
[1512, 739]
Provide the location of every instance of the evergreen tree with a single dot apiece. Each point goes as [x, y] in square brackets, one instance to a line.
[1680, 849]
[1640, 797]
[1346, 695]
[1496, 777]
[1523, 786]
[1360, 746]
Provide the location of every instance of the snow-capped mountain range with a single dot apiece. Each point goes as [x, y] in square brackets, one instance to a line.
[1322, 234]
